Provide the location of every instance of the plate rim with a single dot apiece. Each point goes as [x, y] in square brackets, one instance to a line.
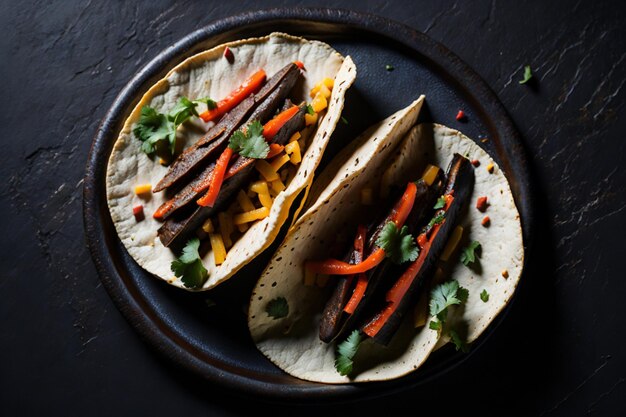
[128, 300]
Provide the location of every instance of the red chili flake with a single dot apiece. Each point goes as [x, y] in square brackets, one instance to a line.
[476, 162]
[486, 221]
[460, 116]
[299, 64]
[228, 54]
[481, 204]
[138, 212]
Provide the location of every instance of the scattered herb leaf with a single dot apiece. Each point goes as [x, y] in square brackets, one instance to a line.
[189, 266]
[344, 120]
[443, 296]
[309, 109]
[459, 343]
[528, 74]
[399, 245]
[389, 67]
[154, 127]
[441, 202]
[484, 296]
[250, 144]
[346, 351]
[277, 308]
[469, 253]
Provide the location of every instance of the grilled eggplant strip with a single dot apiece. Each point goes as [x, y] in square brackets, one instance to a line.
[382, 326]
[216, 139]
[340, 322]
[262, 113]
[179, 226]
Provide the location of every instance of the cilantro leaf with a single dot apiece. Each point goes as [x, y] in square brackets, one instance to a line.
[438, 219]
[441, 202]
[462, 294]
[277, 308]
[445, 295]
[344, 120]
[188, 267]
[250, 144]
[459, 343]
[528, 74]
[154, 127]
[435, 325]
[399, 245]
[310, 110]
[469, 253]
[346, 351]
[389, 67]
[484, 296]
[210, 104]
[151, 128]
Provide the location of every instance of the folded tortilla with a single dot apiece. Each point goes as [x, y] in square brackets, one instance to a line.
[391, 152]
[209, 74]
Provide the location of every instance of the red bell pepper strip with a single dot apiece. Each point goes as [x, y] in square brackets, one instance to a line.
[399, 289]
[250, 86]
[216, 179]
[163, 209]
[398, 216]
[271, 128]
[300, 64]
[357, 295]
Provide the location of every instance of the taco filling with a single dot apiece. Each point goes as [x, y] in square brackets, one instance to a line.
[206, 171]
[393, 259]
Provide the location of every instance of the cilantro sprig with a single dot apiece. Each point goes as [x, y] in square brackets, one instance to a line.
[277, 308]
[346, 352]
[188, 267]
[470, 252]
[154, 127]
[484, 296]
[250, 143]
[399, 245]
[444, 295]
[458, 341]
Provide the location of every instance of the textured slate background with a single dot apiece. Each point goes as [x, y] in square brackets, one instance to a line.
[66, 350]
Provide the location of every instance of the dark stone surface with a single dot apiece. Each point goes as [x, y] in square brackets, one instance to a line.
[66, 350]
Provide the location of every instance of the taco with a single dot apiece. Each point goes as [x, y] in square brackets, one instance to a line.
[412, 240]
[209, 162]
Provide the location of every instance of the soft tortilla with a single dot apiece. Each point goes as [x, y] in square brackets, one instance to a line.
[208, 74]
[385, 151]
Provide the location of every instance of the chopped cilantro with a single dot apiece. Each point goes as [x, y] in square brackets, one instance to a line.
[484, 296]
[344, 120]
[528, 74]
[277, 308]
[346, 351]
[309, 109]
[154, 127]
[441, 202]
[210, 104]
[459, 343]
[399, 245]
[389, 67]
[443, 296]
[438, 219]
[469, 253]
[250, 144]
[189, 266]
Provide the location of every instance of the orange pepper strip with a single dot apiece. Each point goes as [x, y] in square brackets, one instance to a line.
[357, 295]
[300, 64]
[165, 207]
[271, 128]
[337, 267]
[216, 179]
[400, 288]
[250, 86]
[275, 149]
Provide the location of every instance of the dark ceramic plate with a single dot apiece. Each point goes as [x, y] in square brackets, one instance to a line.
[214, 341]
